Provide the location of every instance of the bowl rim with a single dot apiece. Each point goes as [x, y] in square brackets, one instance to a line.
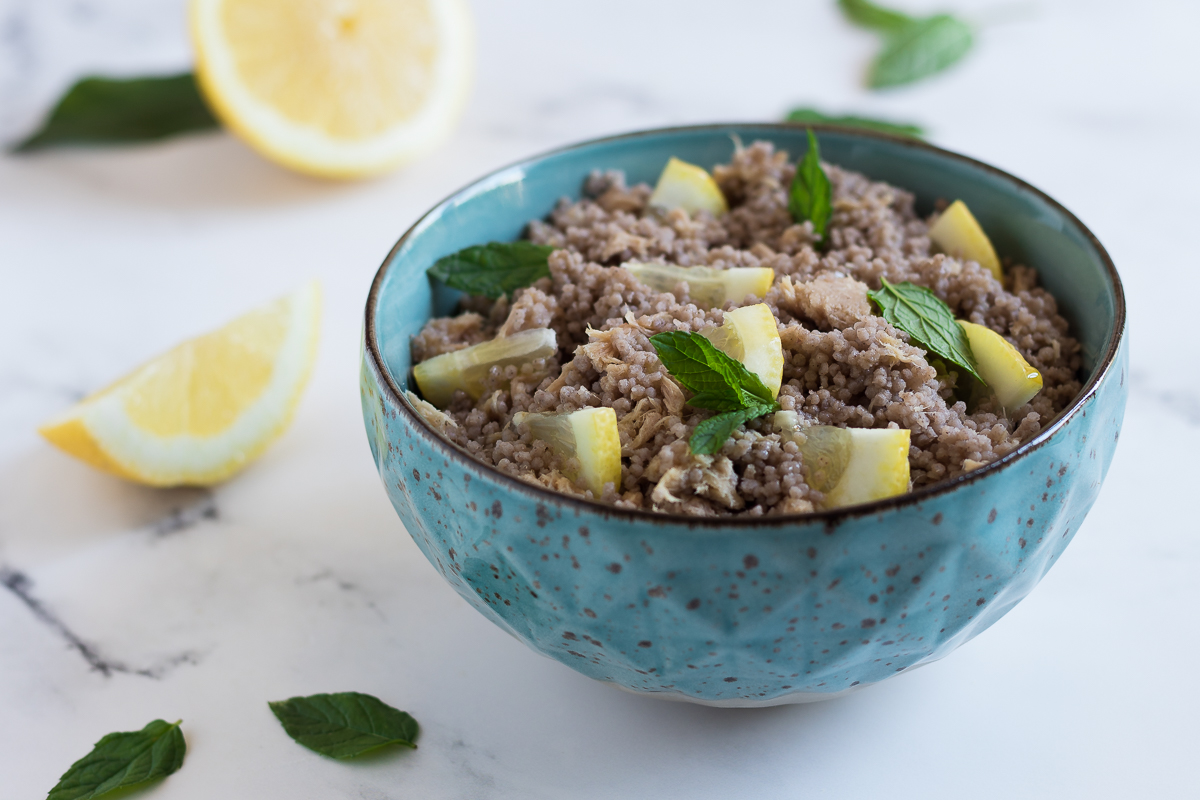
[828, 518]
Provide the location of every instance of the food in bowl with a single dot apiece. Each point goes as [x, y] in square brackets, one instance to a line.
[740, 609]
[703, 347]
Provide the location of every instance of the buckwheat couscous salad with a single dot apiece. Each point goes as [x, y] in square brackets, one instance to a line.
[772, 337]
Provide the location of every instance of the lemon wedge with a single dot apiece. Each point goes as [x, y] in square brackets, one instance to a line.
[708, 287]
[589, 436]
[201, 412]
[958, 233]
[751, 335]
[850, 465]
[686, 186]
[335, 88]
[1002, 367]
[467, 369]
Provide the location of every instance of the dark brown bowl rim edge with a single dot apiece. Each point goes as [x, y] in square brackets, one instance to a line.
[830, 518]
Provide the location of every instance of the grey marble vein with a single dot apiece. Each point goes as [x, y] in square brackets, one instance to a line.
[343, 585]
[21, 587]
[184, 518]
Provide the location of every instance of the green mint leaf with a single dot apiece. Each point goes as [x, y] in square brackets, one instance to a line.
[111, 111]
[123, 759]
[811, 196]
[494, 269]
[344, 725]
[718, 381]
[807, 116]
[717, 401]
[868, 15]
[919, 50]
[927, 320]
[711, 434]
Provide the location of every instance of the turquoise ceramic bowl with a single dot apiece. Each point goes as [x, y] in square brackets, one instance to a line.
[746, 612]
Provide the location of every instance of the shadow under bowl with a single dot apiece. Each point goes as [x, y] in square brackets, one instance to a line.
[747, 611]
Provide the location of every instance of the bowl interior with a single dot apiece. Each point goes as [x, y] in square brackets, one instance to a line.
[1024, 224]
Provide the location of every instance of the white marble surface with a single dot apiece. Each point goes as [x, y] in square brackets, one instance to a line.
[120, 604]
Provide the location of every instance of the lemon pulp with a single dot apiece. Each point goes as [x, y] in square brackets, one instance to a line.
[338, 88]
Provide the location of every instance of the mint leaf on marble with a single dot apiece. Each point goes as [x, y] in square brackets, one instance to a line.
[346, 724]
[868, 15]
[112, 111]
[810, 198]
[495, 268]
[927, 320]
[123, 759]
[917, 51]
[914, 47]
[805, 116]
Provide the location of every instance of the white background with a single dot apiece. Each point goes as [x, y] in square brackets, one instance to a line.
[297, 577]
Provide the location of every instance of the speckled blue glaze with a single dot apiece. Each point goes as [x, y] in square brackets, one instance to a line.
[747, 612]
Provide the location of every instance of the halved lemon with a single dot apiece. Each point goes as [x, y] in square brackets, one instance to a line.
[750, 335]
[687, 186]
[589, 435]
[708, 287]
[201, 412]
[336, 88]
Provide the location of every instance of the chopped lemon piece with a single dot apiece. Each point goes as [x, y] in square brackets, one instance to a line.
[589, 436]
[751, 335]
[1002, 367]
[337, 88]
[686, 186]
[878, 467]
[708, 287]
[959, 234]
[466, 369]
[204, 410]
[849, 465]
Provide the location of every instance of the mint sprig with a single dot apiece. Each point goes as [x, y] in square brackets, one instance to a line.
[718, 382]
[927, 320]
[810, 198]
[495, 268]
[346, 724]
[914, 47]
[711, 434]
[114, 111]
[123, 759]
